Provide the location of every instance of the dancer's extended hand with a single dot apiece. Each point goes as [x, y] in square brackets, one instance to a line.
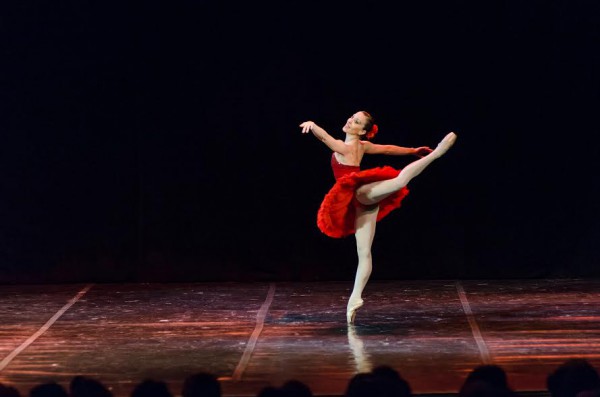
[307, 126]
[423, 151]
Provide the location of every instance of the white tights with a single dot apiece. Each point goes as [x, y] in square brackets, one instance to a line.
[366, 218]
[366, 221]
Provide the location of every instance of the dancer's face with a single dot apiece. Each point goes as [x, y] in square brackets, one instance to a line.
[355, 125]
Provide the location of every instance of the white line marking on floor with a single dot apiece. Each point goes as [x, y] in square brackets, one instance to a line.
[481, 345]
[44, 328]
[260, 322]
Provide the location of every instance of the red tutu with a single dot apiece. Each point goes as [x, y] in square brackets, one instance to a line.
[336, 216]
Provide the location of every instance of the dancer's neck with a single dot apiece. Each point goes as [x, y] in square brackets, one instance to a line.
[351, 139]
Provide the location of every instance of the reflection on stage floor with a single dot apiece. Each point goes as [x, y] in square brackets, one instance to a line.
[256, 334]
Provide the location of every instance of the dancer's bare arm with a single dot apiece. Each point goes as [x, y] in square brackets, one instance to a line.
[393, 150]
[337, 145]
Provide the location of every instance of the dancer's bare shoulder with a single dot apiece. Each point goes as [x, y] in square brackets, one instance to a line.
[352, 155]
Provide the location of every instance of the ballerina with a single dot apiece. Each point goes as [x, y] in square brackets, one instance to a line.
[359, 199]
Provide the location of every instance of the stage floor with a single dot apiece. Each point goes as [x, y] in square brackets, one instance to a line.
[257, 334]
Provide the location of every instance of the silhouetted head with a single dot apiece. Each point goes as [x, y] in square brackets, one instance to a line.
[270, 391]
[364, 385]
[202, 384]
[50, 389]
[82, 386]
[8, 391]
[491, 374]
[392, 382]
[480, 388]
[151, 388]
[295, 388]
[572, 377]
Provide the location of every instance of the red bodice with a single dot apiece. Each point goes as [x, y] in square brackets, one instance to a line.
[339, 170]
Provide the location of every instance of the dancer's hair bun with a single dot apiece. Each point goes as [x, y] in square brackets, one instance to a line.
[373, 131]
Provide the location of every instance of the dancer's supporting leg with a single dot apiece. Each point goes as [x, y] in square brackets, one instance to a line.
[366, 220]
[373, 193]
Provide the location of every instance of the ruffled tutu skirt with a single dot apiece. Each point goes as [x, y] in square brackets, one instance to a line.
[337, 213]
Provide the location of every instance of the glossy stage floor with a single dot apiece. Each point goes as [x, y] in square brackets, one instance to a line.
[257, 334]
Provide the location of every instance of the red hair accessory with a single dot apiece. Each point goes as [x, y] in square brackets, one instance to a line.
[373, 131]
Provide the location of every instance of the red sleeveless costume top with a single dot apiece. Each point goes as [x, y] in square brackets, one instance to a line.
[337, 213]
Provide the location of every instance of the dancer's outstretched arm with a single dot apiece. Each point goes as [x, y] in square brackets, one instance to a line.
[337, 145]
[393, 150]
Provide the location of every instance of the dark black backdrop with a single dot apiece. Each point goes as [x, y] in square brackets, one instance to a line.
[159, 140]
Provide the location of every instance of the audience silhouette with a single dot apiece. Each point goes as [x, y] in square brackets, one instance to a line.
[202, 384]
[151, 388]
[486, 381]
[82, 386]
[291, 388]
[573, 378]
[270, 391]
[50, 389]
[295, 388]
[382, 381]
[8, 391]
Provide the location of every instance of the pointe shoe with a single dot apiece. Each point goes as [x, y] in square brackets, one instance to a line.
[351, 310]
[445, 144]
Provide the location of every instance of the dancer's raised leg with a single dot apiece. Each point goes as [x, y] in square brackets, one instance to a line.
[373, 193]
[366, 221]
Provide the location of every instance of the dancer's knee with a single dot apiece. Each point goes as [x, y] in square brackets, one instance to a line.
[361, 195]
[364, 253]
[401, 181]
[365, 197]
